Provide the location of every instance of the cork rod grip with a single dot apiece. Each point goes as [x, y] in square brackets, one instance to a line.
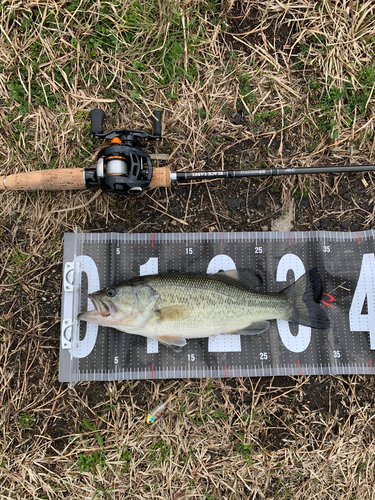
[47, 180]
[161, 177]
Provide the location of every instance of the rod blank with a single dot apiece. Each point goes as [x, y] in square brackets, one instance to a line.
[271, 172]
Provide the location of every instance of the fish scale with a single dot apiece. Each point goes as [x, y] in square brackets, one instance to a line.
[213, 304]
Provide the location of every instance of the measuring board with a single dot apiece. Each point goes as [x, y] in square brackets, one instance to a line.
[346, 262]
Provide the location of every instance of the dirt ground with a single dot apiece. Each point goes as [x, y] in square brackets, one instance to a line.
[242, 84]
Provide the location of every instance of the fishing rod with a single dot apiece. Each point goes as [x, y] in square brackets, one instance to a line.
[124, 168]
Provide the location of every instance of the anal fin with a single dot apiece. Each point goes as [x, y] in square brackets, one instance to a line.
[255, 328]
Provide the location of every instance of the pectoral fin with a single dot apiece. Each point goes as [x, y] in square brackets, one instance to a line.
[255, 328]
[173, 313]
[170, 341]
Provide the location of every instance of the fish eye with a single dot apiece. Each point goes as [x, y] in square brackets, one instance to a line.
[111, 292]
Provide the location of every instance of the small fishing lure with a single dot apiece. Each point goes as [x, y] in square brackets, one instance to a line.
[159, 411]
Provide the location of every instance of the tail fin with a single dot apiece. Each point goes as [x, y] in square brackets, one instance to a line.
[304, 298]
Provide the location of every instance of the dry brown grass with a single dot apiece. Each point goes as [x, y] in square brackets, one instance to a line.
[221, 439]
[300, 77]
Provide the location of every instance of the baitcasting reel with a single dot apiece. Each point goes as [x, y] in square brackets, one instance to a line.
[122, 167]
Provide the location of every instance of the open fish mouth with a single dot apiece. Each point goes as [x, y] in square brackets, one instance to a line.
[99, 305]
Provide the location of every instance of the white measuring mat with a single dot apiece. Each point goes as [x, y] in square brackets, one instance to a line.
[346, 262]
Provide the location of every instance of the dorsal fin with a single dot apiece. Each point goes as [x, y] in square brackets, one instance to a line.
[247, 278]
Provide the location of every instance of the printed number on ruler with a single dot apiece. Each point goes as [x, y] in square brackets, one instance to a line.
[300, 342]
[221, 343]
[364, 290]
[82, 348]
[151, 267]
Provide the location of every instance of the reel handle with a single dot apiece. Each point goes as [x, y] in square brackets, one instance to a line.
[156, 120]
[97, 119]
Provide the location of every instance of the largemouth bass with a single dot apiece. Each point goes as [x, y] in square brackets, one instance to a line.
[176, 307]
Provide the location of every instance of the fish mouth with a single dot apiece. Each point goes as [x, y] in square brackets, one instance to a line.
[100, 306]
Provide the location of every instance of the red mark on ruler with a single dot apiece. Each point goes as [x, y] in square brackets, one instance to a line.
[331, 299]
[152, 370]
[371, 366]
[152, 239]
[221, 238]
[289, 238]
[226, 373]
[358, 238]
[299, 368]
